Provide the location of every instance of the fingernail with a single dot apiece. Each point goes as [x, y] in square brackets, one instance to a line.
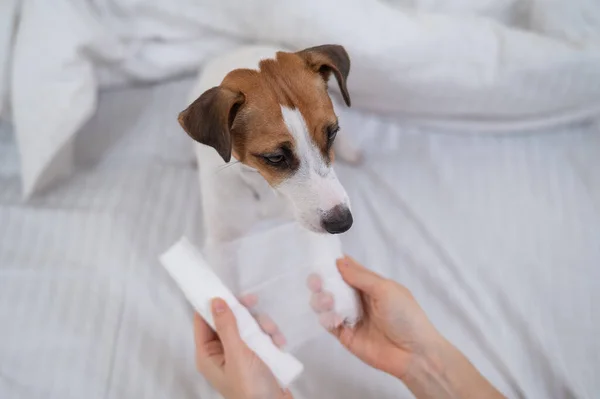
[219, 306]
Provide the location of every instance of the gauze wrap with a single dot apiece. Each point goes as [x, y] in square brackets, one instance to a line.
[274, 264]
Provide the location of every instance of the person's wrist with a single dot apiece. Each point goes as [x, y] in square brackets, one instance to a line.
[426, 374]
[441, 371]
[425, 358]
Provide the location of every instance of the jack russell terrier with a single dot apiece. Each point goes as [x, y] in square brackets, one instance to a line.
[265, 127]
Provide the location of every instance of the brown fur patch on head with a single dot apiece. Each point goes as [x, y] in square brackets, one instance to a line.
[208, 120]
[259, 127]
[294, 80]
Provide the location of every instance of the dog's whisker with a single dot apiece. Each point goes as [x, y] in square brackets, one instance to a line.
[221, 168]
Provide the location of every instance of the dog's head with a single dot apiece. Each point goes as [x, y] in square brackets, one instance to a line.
[280, 120]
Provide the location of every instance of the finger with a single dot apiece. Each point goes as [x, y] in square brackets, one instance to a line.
[249, 301]
[203, 335]
[226, 326]
[267, 324]
[330, 321]
[315, 283]
[358, 276]
[321, 302]
[344, 334]
[272, 329]
[209, 352]
[279, 340]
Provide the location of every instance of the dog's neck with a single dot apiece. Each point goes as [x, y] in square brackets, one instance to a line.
[237, 199]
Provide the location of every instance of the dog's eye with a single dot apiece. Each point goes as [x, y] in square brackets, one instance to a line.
[274, 159]
[332, 132]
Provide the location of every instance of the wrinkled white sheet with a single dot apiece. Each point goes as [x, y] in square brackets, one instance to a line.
[500, 64]
[497, 236]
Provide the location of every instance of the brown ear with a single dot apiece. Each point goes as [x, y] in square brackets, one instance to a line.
[208, 120]
[330, 58]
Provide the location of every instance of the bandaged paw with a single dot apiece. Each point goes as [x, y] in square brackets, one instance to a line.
[326, 278]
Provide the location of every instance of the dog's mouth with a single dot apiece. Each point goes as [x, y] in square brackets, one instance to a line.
[336, 221]
[314, 228]
[311, 224]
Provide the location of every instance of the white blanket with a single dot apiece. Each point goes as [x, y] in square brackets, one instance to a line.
[500, 64]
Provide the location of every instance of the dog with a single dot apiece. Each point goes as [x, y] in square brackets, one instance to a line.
[266, 137]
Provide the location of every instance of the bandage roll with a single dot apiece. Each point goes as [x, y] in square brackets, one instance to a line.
[201, 285]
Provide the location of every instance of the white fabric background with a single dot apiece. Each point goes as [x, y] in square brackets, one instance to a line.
[497, 235]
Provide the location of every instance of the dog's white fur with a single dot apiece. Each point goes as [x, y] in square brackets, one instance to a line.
[235, 197]
[314, 188]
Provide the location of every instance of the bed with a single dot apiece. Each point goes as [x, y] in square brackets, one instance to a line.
[497, 236]
[493, 225]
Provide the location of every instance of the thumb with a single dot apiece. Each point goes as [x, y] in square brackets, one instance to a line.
[225, 325]
[358, 276]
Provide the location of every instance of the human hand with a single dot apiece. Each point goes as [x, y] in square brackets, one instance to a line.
[230, 366]
[394, 329]
[265, 322]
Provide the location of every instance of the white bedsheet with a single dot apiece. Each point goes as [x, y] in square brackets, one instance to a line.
[497, 236]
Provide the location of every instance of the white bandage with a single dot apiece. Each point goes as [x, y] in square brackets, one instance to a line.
[274, 263]
[200, 285]
[325, 250]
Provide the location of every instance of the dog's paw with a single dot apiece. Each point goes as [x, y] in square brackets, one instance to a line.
[264, 321]
[347, 151]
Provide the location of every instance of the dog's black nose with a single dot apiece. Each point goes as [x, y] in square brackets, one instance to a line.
[337, 220]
